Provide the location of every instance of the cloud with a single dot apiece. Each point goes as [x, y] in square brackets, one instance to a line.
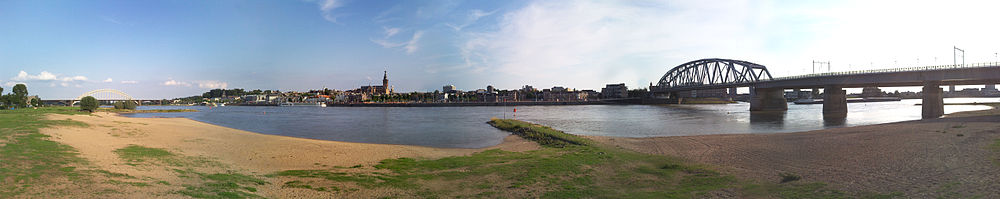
[112, 20]
[130, 82]
[587, 42]
[14, 83]
[389, 32]
[175, 83]
[474, 15]
[47, 76]
[108, 80]
[327, 7]
[410, 46]
[212, 84]
[24, 76]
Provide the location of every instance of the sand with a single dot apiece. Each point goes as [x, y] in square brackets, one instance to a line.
[946, 157]
[237, 150]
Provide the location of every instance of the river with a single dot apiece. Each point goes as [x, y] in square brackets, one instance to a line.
[465, 127]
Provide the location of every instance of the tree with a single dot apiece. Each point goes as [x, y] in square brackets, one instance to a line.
[20, 95]
[88, 103]
[35, 102]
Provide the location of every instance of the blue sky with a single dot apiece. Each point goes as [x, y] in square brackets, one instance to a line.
[167, 49]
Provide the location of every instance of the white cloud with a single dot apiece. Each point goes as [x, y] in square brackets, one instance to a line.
[130, 82]
[327, 7]
[474, 15]
[24, 76]
[14, 83]
[47, 76]
[410, 46]
[389, 32]
[212, 84]
[175, 83]
[108, 80]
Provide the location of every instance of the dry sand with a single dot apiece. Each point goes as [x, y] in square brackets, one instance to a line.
[237, 150]
[947, 157]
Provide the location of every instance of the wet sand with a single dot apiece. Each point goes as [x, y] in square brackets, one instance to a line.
[945, 157]
[237, 150]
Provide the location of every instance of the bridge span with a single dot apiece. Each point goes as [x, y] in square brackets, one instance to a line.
[767, 92]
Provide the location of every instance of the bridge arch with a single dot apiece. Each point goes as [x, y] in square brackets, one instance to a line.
[713, 71]
[104, 95]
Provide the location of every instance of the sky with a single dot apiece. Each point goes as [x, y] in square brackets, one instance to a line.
[167, 49]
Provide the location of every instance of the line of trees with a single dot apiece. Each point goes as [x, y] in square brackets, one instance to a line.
[18, 98]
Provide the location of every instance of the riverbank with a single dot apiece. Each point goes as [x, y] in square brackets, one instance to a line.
[201, 149]
[946, 157]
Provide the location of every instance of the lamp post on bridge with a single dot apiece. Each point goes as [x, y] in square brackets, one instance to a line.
[954, 55]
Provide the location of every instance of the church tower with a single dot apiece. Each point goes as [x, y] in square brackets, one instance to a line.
[385, 81]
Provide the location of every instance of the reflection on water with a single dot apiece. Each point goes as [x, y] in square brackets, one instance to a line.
[834, 121]
[465, 127]
[767, 120]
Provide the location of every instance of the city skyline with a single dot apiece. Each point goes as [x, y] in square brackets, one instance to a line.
[163, 49]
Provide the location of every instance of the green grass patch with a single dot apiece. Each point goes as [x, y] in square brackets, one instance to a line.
[137, 184]
[544, 135]
[27, 157]
[570, 167]
[136, 153]
[221, 185]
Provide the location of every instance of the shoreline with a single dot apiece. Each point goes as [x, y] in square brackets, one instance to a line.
[254, 151]
[909, 157]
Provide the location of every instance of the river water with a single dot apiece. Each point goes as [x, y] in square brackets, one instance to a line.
[465, 127]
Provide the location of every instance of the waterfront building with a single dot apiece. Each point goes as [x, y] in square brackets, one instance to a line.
[528, 89]
[384, 89]
[449, 89]
[618, 90]
[561, 94]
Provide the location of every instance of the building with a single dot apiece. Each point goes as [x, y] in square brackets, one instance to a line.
[490, 89]
[615, 91]
[448, 89]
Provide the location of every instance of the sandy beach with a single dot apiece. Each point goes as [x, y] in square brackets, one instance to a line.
[236, 150]
[945, 157]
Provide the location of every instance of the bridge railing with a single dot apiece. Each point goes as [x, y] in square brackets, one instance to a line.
[891, 70]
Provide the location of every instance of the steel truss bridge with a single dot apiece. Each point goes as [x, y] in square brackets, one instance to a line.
[766, 91]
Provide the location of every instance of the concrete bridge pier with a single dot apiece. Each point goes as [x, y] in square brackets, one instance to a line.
[834, 102]
[933, 101]
[768, 99]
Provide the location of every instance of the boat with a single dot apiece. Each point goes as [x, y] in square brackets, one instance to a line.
[808, 101]
[304, 104]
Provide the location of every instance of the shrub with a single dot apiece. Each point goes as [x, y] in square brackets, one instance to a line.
[125, 105]
[788, 177]
[88, 103]
[35, 102]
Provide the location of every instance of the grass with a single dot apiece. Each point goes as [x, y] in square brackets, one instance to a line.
[788, 177]
[135, 153]
[27, 157]
[213, 185]
[223, 185]
[568, 167]
[544, 135]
